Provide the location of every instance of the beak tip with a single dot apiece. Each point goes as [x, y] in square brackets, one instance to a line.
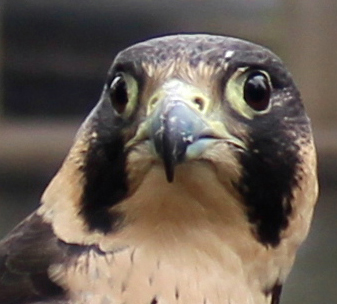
[173, 126]
[169, 171]
[170, 178]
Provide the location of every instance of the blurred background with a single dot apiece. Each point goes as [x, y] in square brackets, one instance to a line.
[53, 59]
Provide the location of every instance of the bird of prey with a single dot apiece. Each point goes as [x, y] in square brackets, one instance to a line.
[192, 181]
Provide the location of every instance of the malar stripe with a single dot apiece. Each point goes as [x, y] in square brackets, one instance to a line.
[105, 183]
[268, 180]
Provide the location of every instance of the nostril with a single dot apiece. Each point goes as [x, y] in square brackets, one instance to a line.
[152, 104]
[199, 102]
[154, 101]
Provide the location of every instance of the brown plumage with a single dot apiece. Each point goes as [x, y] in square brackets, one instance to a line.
[192, 181]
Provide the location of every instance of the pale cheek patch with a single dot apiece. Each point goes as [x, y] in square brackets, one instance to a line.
[139, 161]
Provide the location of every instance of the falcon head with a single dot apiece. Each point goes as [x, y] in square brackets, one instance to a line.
[198, 132]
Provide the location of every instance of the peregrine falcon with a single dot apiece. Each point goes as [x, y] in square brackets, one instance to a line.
[192, 181]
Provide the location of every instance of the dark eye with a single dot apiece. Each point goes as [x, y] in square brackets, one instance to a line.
[256, 91]
[118, 94]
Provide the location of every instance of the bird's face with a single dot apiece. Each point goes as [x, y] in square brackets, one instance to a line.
[175, 103]
[180, 120]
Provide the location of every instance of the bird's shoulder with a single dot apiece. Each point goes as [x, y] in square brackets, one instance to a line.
[25, 256]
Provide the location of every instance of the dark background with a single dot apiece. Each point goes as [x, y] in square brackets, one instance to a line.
[54, 55]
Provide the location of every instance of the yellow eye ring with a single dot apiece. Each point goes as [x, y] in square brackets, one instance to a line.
[248, 92]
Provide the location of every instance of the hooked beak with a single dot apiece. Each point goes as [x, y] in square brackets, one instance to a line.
[175, 126]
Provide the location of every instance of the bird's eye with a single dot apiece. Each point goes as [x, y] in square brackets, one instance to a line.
[256, 91]
[118, 92]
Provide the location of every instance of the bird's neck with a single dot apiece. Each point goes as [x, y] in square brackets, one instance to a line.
[186, 241]
[195, 205]
[196, 224]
